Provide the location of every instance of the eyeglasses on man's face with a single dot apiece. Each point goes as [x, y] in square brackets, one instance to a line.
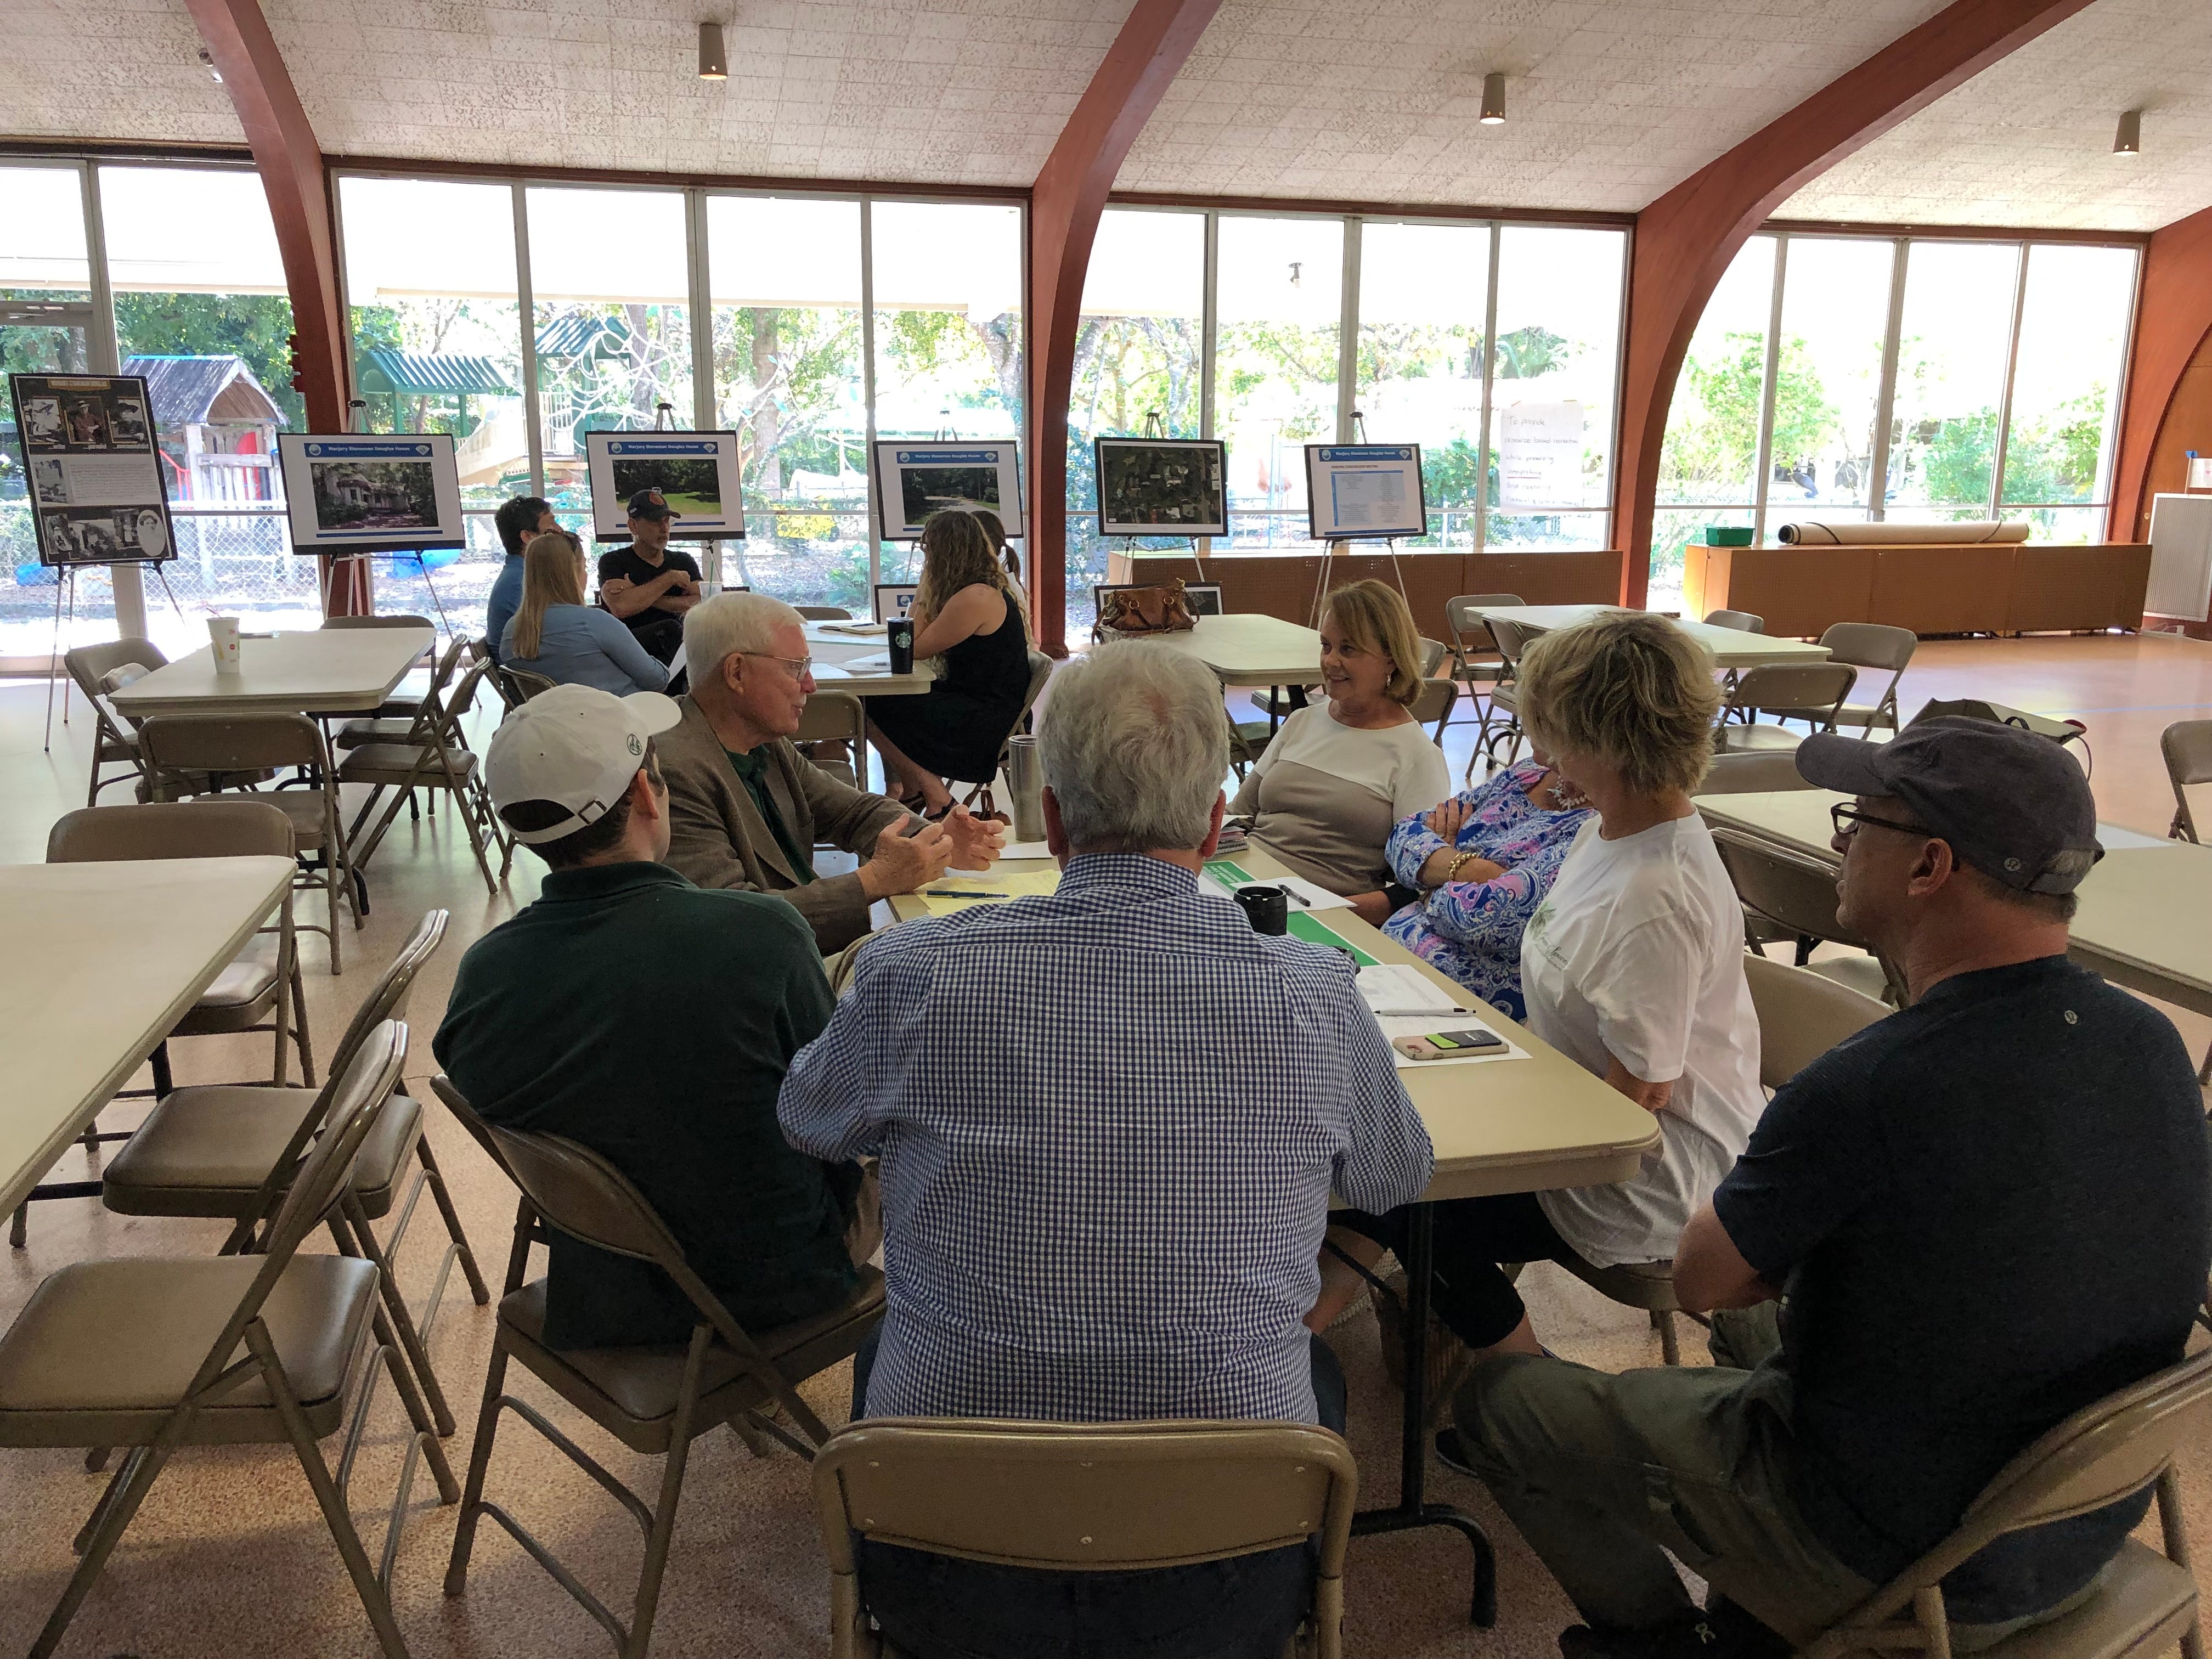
[1848, 820]
[800, 667]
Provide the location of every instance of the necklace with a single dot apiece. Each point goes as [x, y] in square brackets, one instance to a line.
[1563, 801]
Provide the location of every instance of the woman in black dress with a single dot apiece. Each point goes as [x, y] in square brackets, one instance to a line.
[967, 613]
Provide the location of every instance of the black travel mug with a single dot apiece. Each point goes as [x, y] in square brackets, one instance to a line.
[899, 632]
[1267, 908]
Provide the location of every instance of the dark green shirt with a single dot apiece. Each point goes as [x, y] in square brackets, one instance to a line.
[751, 769]
[652, 1021]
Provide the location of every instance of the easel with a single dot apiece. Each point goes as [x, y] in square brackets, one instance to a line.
[1156, 426]
[1330, 544]
[66, 581]
[357, 421]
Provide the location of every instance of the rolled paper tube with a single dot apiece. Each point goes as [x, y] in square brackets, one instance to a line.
[1814, 534]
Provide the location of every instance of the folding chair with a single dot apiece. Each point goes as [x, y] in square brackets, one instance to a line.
[1474, 658]
[835, 717]
[2143, 1603]
[1811, 690]
[181, 749]
[656, 1401]
[435, 755]
[823, 612]
[1794, 896]
[146, 1353]
[519, 685]
[2187, 748]
[400, 728]
[115, 741]
[1510, 637]
[1751, 772]
[1084, 1498]
[225, 1152]
[1744, 620]
[1863, 644]
[979, 795]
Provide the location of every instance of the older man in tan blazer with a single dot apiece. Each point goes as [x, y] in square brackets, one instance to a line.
[747, 808]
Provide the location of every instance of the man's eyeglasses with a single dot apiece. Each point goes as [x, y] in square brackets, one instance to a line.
[1847, 820]
[800, 667]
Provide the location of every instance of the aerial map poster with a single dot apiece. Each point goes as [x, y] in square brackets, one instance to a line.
[697, 474]
[94, 471]
[353, 492]
[915, 478]
[1163, 487]
[1365, 492]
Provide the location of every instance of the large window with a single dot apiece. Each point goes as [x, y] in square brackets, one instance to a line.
[1555, 365]
[1278, 316]
[1982, 389]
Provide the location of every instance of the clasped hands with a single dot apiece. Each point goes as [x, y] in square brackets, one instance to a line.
[1444, 822]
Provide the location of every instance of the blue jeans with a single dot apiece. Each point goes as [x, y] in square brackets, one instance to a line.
[939, 1606]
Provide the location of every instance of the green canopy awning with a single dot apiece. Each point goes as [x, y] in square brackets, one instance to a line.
[432, 374]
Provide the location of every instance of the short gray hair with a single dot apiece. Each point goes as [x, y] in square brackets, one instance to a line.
[1134, 745]
[714, 628]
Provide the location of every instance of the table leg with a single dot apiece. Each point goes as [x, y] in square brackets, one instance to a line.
[1412, 1509]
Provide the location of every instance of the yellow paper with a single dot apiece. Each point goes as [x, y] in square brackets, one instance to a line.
[1008, 884]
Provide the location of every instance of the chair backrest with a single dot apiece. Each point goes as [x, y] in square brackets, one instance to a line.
[1801, 1015]
[525, 683]
[1099, 1495]
[832, 716]
[1871, 645]
[1041, 667]
[2187, 747]
[1744, 620]
[378, 621]
[1788, 888]
[456, 706]
[1510, 637]
[233, 742]
[465, 1116]
[1432, 700]
[239, 826]
[89, 665]
[1462, 617]
[387, 998]
[1433, 653]
[584, 1196]
[823, 612]
[351, 1100]
[1794, 685]
[1751, 772]
[2101, 1454]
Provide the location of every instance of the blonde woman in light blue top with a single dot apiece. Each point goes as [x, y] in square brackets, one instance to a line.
[571, 643]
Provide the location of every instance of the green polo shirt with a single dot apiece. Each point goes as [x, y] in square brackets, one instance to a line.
[652, 1021]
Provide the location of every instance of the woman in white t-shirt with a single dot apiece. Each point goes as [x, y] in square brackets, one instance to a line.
[1632, 967]
[1337, 778]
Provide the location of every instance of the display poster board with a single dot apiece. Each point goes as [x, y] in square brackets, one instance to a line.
[1365, 492]
[93, 469]
[894, 601]
[914, 479]
[698, 474]
[1539, 456]
[1162, 486]
[353, 492]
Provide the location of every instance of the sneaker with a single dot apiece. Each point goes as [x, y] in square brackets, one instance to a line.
[1689, 1637]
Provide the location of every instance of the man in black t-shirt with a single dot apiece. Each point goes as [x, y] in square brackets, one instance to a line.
[649, 584]
[1954, 1230]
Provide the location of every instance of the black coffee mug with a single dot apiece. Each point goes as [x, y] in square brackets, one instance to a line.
[899, 633]
[1267, 908]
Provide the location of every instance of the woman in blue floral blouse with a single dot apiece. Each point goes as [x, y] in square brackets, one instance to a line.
[1482, 862]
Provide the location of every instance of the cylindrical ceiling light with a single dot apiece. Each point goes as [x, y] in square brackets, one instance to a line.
[2128, 141]
[1493, 99]
[713, 65]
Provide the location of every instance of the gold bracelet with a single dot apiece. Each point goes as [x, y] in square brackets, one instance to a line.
[1451, 870]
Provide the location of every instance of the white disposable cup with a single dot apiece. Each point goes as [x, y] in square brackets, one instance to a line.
[223, 635]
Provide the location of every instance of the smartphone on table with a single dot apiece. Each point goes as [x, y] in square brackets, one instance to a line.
[1448, 1045]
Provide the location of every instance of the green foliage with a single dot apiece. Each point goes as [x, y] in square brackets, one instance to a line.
[255, 327]
[2055, 459]
[1712, 434]
[1527, 352]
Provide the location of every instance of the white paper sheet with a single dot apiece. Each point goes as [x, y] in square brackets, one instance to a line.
[1390, 987]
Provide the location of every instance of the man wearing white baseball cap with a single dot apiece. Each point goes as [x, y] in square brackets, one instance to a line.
[555, 1025]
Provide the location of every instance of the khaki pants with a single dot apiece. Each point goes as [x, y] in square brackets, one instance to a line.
[1600, 1472]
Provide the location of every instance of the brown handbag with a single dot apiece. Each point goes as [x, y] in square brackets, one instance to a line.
[1155, 610]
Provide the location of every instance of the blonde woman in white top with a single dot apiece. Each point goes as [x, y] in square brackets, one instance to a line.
[1337, 778]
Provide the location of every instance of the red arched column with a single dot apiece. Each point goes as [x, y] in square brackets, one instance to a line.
[1685, 239]
[1064, 207]
[291, 162]
[2173, 316]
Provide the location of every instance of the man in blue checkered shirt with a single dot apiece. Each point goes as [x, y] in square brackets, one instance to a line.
[1109, 1119]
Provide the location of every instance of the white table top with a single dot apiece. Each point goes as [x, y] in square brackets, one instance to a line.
[2145, 920]
[829, 649]
[103, 960]
[1512, 1126]
[1729, 648]
[1248, 648]
[325, 670]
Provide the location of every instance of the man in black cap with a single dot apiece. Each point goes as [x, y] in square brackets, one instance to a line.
[1953, 1229]
[648, 584]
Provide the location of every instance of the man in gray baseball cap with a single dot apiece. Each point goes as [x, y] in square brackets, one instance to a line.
[1973, 1218]
[652, 1021]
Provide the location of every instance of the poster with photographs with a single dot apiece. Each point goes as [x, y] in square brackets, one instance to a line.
[916, 477]
[350, 493]
[93, 470]
[1163, 486]
[697, 473]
